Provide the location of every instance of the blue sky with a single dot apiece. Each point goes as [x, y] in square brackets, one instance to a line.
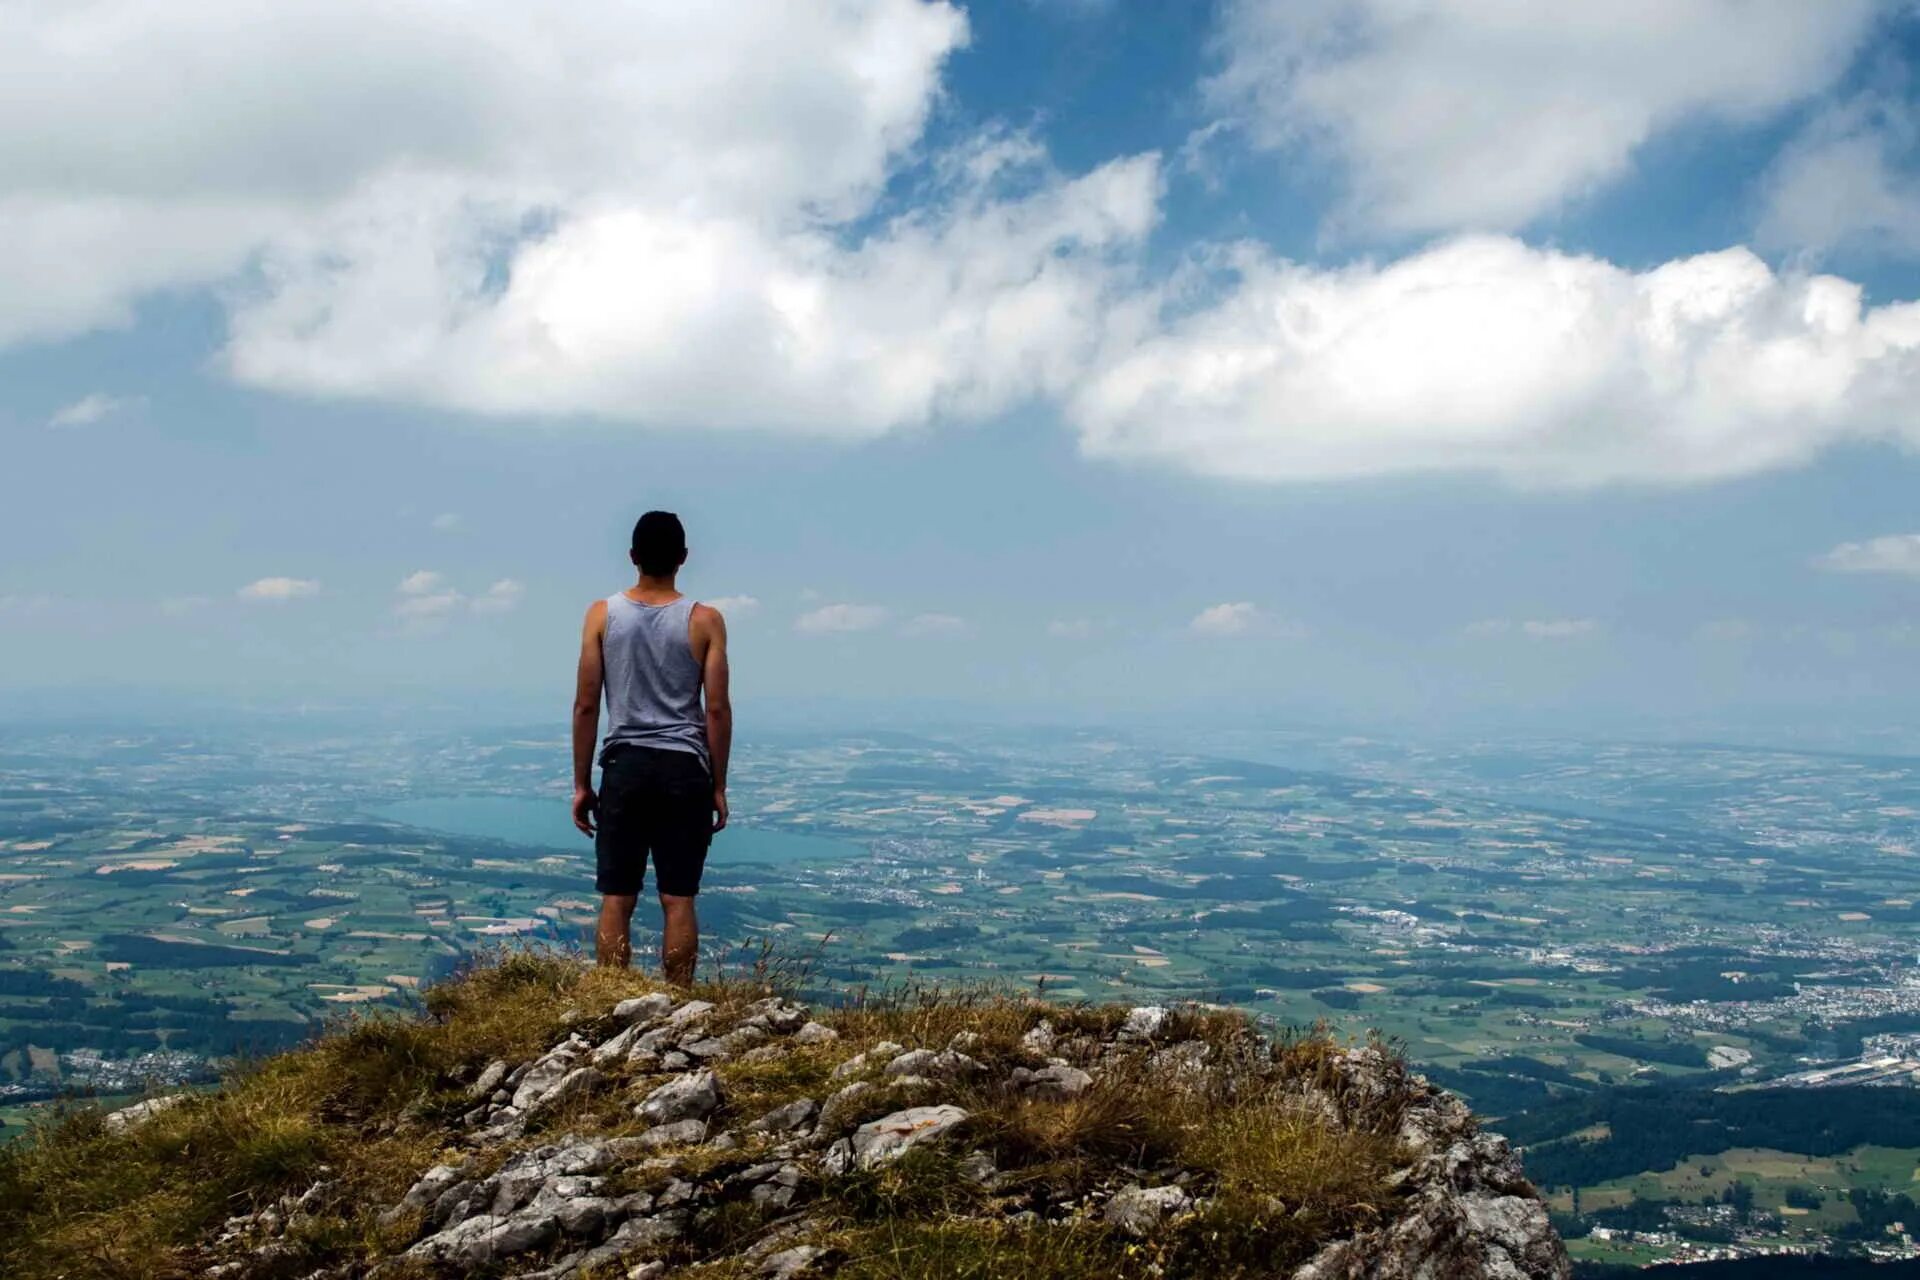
[1423, 360]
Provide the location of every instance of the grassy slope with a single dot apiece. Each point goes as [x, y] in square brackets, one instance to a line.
[371, 1105]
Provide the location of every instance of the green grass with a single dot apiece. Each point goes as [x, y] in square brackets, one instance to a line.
[368, 1106]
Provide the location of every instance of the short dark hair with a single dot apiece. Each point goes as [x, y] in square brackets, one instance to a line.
[659, 543]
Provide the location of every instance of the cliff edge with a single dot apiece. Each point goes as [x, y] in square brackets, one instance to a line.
[547, 1120]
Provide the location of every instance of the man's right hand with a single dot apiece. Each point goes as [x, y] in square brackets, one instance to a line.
[719, 809]
[585, 805]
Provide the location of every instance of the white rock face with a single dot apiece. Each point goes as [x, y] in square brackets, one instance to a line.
[546, 1072]
[1138, 1210]
[693, 1096]
[1144, 1022]
[1052, 1083]
[643, 1008]
[890, 1137]
[577, 1083]
[815, 1033]
[139, 1113]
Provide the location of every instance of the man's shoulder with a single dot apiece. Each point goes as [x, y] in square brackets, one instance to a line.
[706, 618]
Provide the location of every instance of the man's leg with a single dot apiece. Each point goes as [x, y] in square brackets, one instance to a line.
[680, 940]
[613, 943]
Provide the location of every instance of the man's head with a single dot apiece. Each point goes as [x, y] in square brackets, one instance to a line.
[659, 544]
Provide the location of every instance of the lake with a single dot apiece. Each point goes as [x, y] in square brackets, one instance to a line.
[545, 824]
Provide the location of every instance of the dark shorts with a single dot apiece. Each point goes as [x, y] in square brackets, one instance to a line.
[652, 801]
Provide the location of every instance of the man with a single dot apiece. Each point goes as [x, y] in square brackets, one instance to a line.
[661, 659]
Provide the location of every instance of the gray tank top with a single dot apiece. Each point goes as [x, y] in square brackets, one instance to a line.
[652, 680]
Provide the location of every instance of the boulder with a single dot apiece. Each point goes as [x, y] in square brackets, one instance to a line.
[140, 1112]
[489, 1079]
[577, 1083]
[1050, 1084]
[642, 1009]
[1137, 1210]
[879, 1141]
[485, 1238]
[785, 1119]
[693, 1096]
[789, 1263]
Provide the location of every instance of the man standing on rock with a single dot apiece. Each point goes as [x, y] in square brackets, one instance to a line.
[661, 660]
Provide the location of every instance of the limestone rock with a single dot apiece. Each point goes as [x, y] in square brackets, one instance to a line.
[140, 1112]
[694, 1096]
[1137, 1210]
[890, 1137]
[815, 1033]
[642, 1009]
[789, 1263]
[785, 1119]
[1144, 1022]
[1050, 1084]
[489, 1079]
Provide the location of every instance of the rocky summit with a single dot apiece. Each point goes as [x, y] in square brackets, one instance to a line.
[549, 1121]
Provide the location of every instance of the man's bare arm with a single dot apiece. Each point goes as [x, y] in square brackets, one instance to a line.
[586, 715]
[714, 678]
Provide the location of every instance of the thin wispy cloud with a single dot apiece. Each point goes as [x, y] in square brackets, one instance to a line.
[1531, 628]
[1894, 553]
[426, 596]
[93, 408]
[1243, 618]
[840, 618]
[934, 624]
[502, 596]
[1070, 628]
[735, 606]
[278, 590]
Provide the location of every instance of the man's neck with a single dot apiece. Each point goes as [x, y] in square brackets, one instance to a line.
[652, 590]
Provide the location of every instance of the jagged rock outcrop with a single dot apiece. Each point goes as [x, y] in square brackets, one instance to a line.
[609, 1152]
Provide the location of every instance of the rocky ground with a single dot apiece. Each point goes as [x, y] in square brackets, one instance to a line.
[668, 1135]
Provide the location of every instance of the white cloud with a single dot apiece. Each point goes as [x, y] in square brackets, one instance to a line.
[735, 606]
[668, 214]
[279, 589]
[503, 596]
[1466, 114]
[1238, 618]
[934, 624]
[1848, 180]
[679, 317]
[425, 595]
[92, 408]
[1531, 628]
[1486, 355]
[1070, 628]
[136, 185]
[831, 618]
[1896, 553]
[446, 521]
[1556, 628]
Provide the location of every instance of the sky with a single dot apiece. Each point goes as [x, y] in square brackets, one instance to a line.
[1445, 362]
